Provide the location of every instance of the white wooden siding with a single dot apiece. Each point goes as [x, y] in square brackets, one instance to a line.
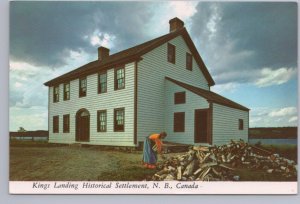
[152, 71]
[93, 102]
[192, 102]
[226, 124]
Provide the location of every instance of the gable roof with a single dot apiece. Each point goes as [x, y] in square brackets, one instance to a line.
[130, 55]
[209, 95]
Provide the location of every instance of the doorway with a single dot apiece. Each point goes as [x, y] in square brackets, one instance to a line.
[83, 125]
[201, 126]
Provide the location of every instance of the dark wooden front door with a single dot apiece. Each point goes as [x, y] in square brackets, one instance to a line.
[201, 126]
[83, 126]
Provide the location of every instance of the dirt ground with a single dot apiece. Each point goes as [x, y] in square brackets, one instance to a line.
[74, 164]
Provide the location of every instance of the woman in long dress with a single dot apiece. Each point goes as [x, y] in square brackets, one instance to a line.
[152, 146]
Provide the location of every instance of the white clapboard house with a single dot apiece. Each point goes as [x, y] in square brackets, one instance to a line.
[160, 85]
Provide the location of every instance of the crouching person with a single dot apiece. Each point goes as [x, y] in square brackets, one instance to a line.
[152, 146]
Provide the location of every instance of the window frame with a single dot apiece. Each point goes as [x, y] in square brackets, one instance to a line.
[99, 121]
[189, 61]
[115, 120]
[55, 95]
[179, 126]
[180, 97]
[100, 83]
[66, 123]
[66, 93]
[171, 53]
[55, 124]
[81, 93]
[241, 124]
[116, 78]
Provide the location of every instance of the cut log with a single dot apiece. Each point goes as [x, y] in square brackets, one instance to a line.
[204, 173]
[208, 164]
[179, 174]
[205, 158]
[201, 148]
[198, 171]
[226, 167]
[189, 169]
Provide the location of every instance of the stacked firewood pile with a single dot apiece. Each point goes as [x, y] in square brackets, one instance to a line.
[218, 163]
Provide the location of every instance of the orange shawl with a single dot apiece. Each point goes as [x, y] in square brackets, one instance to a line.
[158, 142]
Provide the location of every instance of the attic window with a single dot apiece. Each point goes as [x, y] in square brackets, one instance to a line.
[241, 124]
[171, 53]
[56, 94]
[179, 97]
[82, 87]
[189, 61]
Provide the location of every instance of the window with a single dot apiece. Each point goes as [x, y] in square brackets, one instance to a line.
[179, 119]
[179, 97]
[66, 91]
[82, 87]
[119, 78]
[241, 124]
[189, 61]
[119, 116]
[55, 124]
[66, 121]
[56, 94]
[102, 82]
[101, 121]
[171, 53]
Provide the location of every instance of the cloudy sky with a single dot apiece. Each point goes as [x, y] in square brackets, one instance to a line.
[250, 49]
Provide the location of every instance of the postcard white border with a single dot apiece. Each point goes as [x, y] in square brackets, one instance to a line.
[151, 187]
[48, 199]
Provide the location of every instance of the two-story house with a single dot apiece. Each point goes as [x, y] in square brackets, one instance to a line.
[160, 85]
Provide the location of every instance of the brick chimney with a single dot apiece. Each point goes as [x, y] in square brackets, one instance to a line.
[175, 24]
[103, 53]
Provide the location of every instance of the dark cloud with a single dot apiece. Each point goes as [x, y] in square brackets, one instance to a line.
[41, 31]
[248, 37]
[232, 38]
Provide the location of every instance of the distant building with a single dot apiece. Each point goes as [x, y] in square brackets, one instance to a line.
[39, 135]
[160, 85]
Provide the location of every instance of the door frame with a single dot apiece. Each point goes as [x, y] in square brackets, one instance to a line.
[77, 132]
[208, 124]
